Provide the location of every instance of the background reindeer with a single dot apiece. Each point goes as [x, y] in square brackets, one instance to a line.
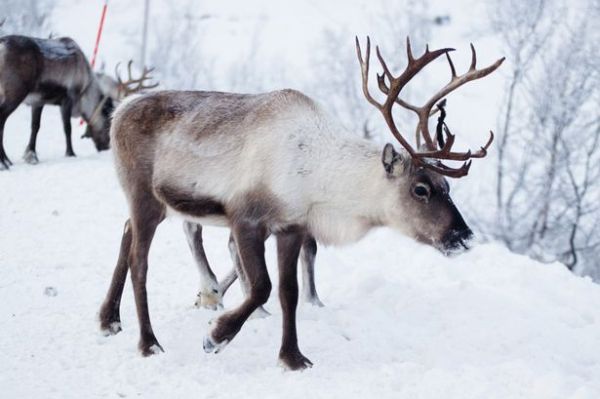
[50, 71]
[212, 291]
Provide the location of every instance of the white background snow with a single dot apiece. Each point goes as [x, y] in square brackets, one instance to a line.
[401, 320]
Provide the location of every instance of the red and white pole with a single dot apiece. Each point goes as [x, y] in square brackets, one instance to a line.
[97, 44]
[99, 34]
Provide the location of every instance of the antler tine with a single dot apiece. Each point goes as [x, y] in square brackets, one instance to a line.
[473, 58]
[451, 65]
[147, 71]
[482, 152]
[129, 75]
[364, 69]
[409, 53]
[117, 74]
[386, 70]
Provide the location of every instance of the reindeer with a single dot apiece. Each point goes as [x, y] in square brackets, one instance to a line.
[276, 163]
[50, 71]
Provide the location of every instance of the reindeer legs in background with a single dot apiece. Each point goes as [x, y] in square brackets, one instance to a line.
[211, 291]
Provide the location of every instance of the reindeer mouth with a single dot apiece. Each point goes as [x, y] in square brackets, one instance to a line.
[456, 242]
[464, 244]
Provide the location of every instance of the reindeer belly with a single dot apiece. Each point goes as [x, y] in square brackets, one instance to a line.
[198, 209]
[46, 93]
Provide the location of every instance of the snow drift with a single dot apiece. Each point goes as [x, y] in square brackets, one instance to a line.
[400, 319]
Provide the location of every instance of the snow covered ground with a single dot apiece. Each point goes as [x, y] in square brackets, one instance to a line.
[400, 320]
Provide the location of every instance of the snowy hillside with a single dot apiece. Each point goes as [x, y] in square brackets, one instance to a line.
[400, 320]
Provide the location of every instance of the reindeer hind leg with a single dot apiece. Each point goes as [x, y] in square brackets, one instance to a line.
[308, 255]
[210, 295]
[288, 249]
[30, 155]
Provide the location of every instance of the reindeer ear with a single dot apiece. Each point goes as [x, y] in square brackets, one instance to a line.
[393, 162]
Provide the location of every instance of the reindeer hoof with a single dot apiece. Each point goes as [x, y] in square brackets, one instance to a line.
[5, 163]
[30, 157]
[212, 300]
[150, 348]
[260, 313]
[315, 301]
[70, 154]
[110, 321]
[294, 360]
[210, 345]
[112, 328]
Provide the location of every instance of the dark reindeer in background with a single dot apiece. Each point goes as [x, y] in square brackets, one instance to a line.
[50, 71]
[275, 163]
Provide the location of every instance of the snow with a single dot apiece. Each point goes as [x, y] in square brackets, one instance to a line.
[400, 319]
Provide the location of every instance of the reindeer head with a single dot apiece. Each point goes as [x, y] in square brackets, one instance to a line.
[113, 91]
[98, 126]
[418, 176]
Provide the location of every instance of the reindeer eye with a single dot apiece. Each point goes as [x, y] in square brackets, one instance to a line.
[422, 191]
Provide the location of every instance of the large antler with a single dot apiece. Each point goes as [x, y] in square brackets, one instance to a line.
[392, 91]
[133, 85]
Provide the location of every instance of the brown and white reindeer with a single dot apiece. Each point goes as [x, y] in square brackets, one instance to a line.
[276, 163]
[50, 71]
[211, 291]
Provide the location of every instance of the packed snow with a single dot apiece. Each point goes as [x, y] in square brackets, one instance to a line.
[400, 319]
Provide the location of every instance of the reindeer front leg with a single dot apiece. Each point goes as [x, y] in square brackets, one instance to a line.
[65, 113]
[250, 237]
[5, 163]
[288, 249]
[110, 315]
[238, 272]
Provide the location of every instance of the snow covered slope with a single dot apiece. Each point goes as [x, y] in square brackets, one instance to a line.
[400, 320]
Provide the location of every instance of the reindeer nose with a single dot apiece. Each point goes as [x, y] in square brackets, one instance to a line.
[456, 240]
[466, 234]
